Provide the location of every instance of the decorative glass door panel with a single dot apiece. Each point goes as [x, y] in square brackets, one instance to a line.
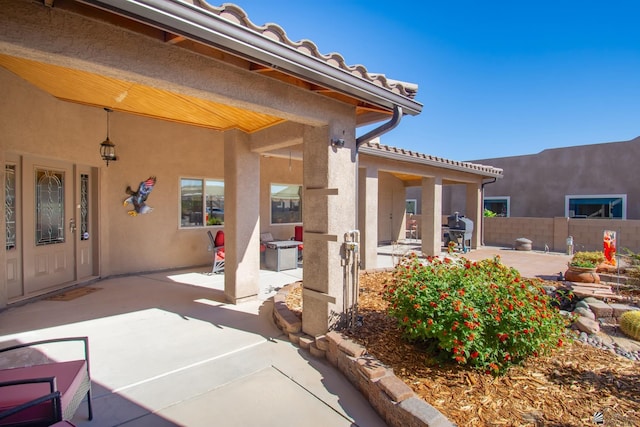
[49, 225]
[49, 207]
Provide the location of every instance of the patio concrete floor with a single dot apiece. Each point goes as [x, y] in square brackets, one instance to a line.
[166, 351]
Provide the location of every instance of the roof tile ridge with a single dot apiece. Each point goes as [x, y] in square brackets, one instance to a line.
[236, 14]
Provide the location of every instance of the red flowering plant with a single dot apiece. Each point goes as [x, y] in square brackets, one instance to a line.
[482, 314]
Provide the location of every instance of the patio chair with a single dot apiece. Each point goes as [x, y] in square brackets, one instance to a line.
[298, 234]
[217, 247]
[412, 228]
[44, 393]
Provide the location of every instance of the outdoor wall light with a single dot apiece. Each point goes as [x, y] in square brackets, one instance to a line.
[337, 142]
[108, 148]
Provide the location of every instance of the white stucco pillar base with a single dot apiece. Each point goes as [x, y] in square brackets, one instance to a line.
[368, 217]
[329, 212]
[431, 225]
[241, 218]
[474, 212]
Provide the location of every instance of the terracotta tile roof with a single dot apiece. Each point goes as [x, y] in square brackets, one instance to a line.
[387, 151]
[237, 15]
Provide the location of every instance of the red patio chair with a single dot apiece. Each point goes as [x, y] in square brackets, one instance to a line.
[217, 246]
[298, 234]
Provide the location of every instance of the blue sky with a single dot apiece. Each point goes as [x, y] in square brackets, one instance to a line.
[496, 77]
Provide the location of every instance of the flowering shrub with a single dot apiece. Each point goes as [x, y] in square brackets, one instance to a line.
[482, 314]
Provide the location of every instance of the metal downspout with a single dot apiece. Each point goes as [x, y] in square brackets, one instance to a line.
[483, 184]
[382, 129]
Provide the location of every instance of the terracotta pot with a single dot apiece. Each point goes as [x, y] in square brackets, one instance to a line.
[582, 275]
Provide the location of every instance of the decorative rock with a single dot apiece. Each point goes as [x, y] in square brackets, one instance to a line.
[601, 309]
[620, 309]
[523, 244]
[587, 325]
[583, 303]
[581, 311]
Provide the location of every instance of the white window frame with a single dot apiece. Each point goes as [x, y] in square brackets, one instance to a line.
[415, 205]
[499, 198]
[271, 204]
[204, 181]
[567, 200]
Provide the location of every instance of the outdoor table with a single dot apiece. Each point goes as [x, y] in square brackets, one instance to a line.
[281, 255]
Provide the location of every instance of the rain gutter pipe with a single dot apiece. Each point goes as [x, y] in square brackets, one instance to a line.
[483, 184]
[382, 129]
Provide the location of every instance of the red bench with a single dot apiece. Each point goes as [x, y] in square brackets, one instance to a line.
[46, 393]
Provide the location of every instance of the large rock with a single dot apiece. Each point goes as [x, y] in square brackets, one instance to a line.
[587, 325]
[601, 309]
[585, 312]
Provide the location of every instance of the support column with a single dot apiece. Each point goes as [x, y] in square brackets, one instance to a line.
[474, 212]
[330, 200]
[431, 225]
[241, 219]
[368, 217]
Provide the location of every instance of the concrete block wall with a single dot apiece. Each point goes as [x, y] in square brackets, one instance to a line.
[587, 233]
[394, 401]
[500, 231]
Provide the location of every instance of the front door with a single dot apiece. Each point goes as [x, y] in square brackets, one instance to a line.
[51, 245]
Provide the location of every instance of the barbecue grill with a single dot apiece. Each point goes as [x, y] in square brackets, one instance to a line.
[460, 231]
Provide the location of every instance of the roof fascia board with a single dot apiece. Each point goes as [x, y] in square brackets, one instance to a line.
[480, 170]
[194, 22]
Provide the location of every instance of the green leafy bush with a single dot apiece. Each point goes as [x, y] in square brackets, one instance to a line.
[589, 259]
[482, 314]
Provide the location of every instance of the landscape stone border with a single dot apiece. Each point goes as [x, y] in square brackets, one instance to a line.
[394, 401]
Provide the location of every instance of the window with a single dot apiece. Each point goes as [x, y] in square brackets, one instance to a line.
[610, 206]
[286, 204]
[411, 206]
[499, 205]
[201, 202]
[10, 206]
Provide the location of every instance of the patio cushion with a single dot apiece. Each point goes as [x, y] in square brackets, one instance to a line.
[69, 378]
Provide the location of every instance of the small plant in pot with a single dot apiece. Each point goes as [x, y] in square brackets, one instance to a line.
[583, 265]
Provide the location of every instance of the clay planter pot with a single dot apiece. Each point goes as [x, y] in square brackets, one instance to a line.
[581, 275]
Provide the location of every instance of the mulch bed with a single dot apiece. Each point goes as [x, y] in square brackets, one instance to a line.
[564, 389]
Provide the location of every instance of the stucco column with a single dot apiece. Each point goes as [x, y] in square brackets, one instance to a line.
[329, 212]
[474, 212]
[368, 217]
[431, 224]
[241, 218]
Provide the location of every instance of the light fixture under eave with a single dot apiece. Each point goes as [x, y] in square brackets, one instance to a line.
[108, 148]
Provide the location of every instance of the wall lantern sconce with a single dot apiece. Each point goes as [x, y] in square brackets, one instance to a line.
[108, 148]
[337, 142]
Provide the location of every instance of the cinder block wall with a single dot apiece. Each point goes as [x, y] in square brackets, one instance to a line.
[587, 233]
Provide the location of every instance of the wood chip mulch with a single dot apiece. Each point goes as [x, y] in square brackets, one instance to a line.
[564, 389]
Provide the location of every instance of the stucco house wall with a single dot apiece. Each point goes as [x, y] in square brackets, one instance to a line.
[145, 147]
[538, 183]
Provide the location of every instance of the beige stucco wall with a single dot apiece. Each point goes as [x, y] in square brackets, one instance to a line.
[538, 183]
[35, 123]
[391, 208]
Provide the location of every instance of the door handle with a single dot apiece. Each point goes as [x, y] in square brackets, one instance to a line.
[72, 225]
